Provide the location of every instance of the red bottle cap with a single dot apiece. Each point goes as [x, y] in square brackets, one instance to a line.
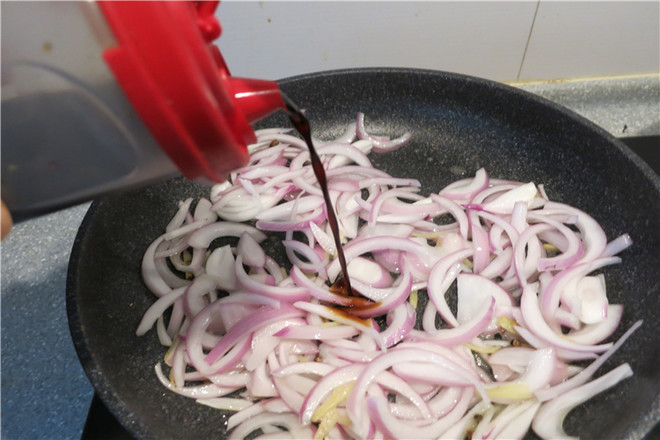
[179, 84]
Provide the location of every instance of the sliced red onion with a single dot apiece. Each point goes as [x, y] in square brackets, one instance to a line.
[363, 325]
[538, 373]
[220, 266]
[161, 331]
[549, 420]
[314, 263]
[194, 266]
[520, 258]
[584, 375]
[564, 354]
[196, 392]
[280, 293]
[349, 134]
[325, 385]
[323, 293]
[572, 252]
[440, 400]
[249, 299]
[264, 341]
[252, 253]
[379, 145]
[465, 189]
[315, 368]
[261, 386]
[595, 333]
[364, 245]
[203, 211]
[264, 171]
[386, 230]
[516, 358]
[271, 424]
[370, 273]
[226, 403]
[285, 139]
[375, 294]
[389, 181]
[150, 274]
[268, 339]
[480, 244]
[498, 265]
[439, 283]
[459, 430]
[395, 428]
[325, 241]
[429, 374]
[205, 363]
[317, 332]
[343, 185]
[238, 207]
[270, 405]
[297, 224]
[593, 236]
[456, 211]
[589, 299]
[462, 334]
[169, 249]
[356, 172]
[397, 297]
[395, 193]
[400, 321]
[157, 309]
[180, 216]
[503, 203]
[617, 245]
[227, 380]
[515, 420]
[473, 292]
[355, 402]
[196, 295]
[203, 237]
[185, 229]
[283, 180]
[489, 192]
[529, 305]
[176, 319]
[291, 397]
[283, 211]
[551, 294]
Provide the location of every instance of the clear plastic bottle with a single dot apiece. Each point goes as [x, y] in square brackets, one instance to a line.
[102, 96]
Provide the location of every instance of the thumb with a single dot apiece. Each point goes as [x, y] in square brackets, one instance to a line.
[5, 221]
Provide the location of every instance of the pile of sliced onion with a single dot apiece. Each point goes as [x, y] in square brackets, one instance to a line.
[294, 358]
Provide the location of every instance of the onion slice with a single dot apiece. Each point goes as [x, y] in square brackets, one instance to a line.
[550, 417]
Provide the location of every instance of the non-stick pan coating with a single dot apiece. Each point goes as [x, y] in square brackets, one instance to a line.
[459, 124]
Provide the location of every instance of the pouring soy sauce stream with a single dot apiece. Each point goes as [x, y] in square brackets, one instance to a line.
[301, 124]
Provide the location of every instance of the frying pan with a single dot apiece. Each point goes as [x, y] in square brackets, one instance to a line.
[459, 124]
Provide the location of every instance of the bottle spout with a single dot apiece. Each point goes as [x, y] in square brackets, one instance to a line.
[256, 98]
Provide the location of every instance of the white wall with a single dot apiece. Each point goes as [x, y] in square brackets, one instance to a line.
[504, 41]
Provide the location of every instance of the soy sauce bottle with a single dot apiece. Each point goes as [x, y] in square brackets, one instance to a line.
[102, 96]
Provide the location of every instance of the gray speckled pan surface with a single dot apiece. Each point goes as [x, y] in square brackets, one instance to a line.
[459, 124]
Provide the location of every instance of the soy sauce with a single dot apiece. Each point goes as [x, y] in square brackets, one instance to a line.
[301, 124]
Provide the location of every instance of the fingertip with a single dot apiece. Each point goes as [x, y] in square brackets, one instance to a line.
[5, 221]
